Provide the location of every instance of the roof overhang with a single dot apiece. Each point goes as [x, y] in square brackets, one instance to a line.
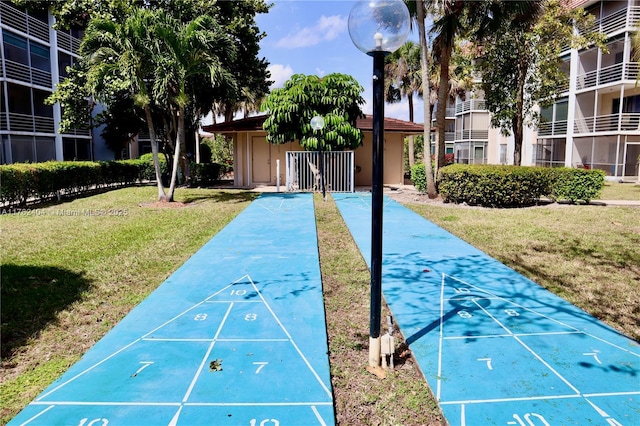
[254, 124]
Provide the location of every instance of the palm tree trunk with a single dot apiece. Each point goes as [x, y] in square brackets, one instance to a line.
[424, 62]
[180, 134]
[411, 145]
[441, 112]
[155, 152]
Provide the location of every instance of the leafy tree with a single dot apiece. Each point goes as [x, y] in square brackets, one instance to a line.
[403, 79]
[335, 97]
[521, 65]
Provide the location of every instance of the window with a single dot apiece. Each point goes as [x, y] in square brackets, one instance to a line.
[22, 149]
[64, 61]
[19, 98]
[39, 56]
[39, 107]
[503, 153]
[15, 48]
[45, 149]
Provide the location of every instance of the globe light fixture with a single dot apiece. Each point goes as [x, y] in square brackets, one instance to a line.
[317, 124]
[377, 28]
[379, 25]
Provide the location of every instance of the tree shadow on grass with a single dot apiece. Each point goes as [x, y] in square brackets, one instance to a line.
[31, 298]
[222, 196]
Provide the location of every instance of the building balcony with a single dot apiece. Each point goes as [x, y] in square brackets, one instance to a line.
[554, 128]
[21, 72]
[607, 75]
[470, 105]
[623, 19]
[29, 123]
[19, 20]
[625, 122]
[448, 136]
[476, 135]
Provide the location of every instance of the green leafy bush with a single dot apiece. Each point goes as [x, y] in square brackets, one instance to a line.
[493, 186]
[42, 181]
[419, 177]
[516, 186]
[576, 184]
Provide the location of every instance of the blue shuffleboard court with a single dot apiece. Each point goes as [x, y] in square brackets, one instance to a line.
[236, 336]
[495, 347]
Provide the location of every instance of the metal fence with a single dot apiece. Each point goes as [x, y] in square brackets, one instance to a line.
[303, 171]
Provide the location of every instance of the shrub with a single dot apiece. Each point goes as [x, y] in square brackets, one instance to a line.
[42, 181]
[576, 184]
[419, 177]
[516, 186]
[493, 186]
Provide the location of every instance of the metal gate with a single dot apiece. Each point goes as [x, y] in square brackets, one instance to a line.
[303, 171]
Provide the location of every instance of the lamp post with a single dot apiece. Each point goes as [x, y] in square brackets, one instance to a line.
[317, 123]
[377, 28]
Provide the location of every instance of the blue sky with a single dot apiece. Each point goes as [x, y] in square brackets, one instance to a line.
[311, 37]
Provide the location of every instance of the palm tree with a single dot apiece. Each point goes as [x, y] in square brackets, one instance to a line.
[418, 11]
[404, 80]
[182, 52]
[120, 53]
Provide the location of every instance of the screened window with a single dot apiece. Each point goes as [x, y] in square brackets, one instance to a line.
[39, 107]
[45, 149]
[15, 48]
[19, 98]
[64, 61]
[40, 56]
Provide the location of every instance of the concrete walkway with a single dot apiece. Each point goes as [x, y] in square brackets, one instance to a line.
[495, 347]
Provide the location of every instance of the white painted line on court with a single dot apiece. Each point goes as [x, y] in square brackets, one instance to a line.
[206, 356]
[37, 415]
[318, 416]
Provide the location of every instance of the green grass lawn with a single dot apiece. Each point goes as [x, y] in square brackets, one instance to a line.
[620, 191]
[71, 271]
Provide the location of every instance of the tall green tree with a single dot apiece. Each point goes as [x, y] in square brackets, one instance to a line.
[521, 65]
[335, 97]
[403, 79]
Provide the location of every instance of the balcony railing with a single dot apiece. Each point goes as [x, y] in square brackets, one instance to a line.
[624, 122]
[553, 128]
[29, 123]
[470, 105]
[21, 21]
[610, 74]
[472, 135]
[619, 20]
[21, 72]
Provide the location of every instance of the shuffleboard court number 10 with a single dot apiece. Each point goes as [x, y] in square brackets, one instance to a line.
[265, 422]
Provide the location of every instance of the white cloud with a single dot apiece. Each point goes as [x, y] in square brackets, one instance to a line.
[327, 28]
[320, 72]
[279, 74]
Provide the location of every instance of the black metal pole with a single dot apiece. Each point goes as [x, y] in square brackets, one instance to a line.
[320, 142]
[376, 193]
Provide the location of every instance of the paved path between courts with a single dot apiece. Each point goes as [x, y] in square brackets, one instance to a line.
[236, 336]
[495, 347]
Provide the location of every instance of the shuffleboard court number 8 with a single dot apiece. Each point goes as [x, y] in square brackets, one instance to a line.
[464, 314]
[200, 317]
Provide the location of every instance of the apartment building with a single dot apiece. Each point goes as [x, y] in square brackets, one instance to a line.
[34, 60]
[596, 122]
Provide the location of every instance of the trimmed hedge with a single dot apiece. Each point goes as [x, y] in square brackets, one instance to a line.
[511, 186]
[42, 181]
